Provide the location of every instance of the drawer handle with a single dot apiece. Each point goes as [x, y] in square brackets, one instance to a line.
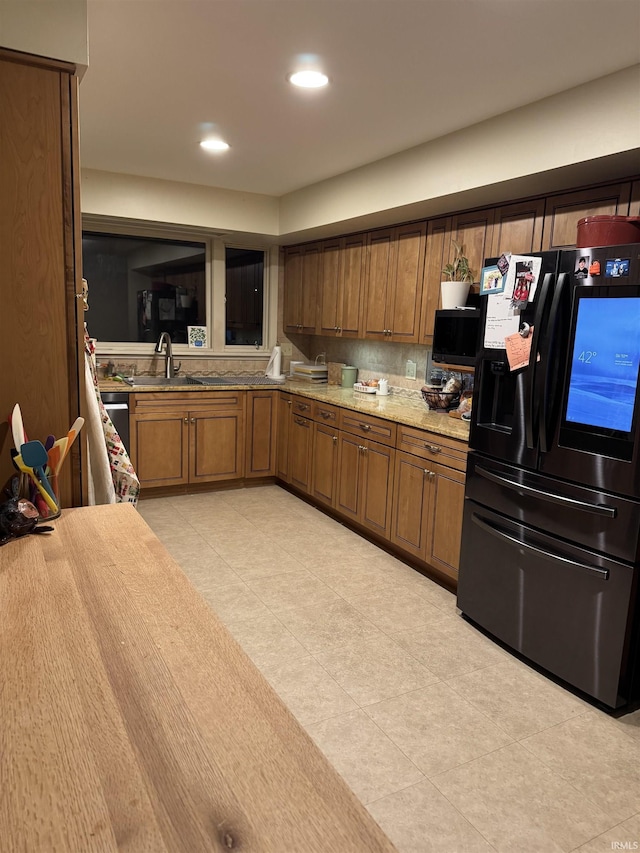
[365, 427]
[303, 407]
[324, 414]
[433, 448]
[302, 422]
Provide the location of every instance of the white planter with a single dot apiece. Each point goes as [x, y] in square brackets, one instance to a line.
[453, 294]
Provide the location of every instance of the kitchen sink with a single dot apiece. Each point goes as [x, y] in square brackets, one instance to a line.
[200, 380]
[162, 380]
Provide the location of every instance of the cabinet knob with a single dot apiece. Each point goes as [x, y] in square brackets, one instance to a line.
[193, 420]
[339, 328]
[288, 402]
[186, 420]
[335, 329]
[334, 438]
[433, 448]
[431, 475]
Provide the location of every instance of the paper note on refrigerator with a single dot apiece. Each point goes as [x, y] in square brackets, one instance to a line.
[501, 321]
[519, 350]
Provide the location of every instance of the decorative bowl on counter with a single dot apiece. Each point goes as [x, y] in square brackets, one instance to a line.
[437, 398]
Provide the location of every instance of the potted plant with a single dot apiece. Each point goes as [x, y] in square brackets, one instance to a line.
[459, 276]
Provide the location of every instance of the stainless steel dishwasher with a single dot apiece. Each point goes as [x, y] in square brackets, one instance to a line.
[116, 404]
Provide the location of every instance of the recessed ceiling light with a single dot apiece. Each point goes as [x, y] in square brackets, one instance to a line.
[308, 79]
[214, 144]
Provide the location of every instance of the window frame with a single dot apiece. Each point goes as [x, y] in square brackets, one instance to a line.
[215, 288]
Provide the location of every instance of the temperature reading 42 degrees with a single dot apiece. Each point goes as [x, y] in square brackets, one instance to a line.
[587, 356]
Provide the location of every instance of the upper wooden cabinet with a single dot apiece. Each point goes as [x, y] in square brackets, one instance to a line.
[301, 276]
[517, 228]
[474, 232]
[562, 212]
[393, 283]
[340, 289]
[437, 248]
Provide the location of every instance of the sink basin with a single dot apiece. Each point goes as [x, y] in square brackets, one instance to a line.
[201, 380]
[161, 380]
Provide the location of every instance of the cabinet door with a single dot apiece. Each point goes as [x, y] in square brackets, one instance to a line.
[310, 281]
[325, 463]
[436, 254]
[216, 450]
[283, 420]
[562, 212]
[376, 488]
[445, 520]
[411, 490]
[350, 460]
[160, 448]
[380, 257]
[300, 448]
[405, 292]
[517, 228]
[38, 231]
[261, 434]
[292, 319]
[352, 272]
[329, 288]
[474, 231]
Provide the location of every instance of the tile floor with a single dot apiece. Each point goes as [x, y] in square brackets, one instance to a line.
[452, 744]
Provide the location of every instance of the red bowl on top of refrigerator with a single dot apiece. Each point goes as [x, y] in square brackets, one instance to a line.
[607, 231]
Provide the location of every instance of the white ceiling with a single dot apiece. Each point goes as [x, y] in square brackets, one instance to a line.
[403, 72]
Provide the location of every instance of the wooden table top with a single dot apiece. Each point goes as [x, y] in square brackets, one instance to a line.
[130, 719]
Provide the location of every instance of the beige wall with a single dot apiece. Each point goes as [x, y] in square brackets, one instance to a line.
[562, 141]
[592, 121]
[53, 28]
[154, 200]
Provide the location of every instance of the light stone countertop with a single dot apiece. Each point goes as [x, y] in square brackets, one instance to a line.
[399, 409]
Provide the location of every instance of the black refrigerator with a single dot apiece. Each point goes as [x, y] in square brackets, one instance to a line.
[551, 534]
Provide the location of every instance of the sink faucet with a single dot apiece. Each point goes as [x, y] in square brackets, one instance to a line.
[169, 369]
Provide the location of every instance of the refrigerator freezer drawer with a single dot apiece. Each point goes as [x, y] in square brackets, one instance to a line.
[566, 609]
[595, 520]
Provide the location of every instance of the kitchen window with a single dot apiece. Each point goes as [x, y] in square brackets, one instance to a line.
[143, 282]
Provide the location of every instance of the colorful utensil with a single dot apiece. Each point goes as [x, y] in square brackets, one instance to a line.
[17, 427]
[35, 456]
[26, 469]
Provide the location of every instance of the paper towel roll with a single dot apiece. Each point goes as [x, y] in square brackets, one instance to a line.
[274, 368]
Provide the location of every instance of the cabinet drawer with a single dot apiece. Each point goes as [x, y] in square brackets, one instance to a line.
[324, 413]
[162, 401]
[436, 448]
[301, 406]
[366, 425]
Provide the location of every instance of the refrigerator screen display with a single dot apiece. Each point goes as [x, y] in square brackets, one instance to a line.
[604, 364]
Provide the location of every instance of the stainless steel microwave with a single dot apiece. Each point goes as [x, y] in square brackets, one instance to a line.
[455, 336]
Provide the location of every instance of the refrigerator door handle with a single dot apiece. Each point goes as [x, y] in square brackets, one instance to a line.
[596, 509]
[530, 375]
[544, 425]
[602, 574]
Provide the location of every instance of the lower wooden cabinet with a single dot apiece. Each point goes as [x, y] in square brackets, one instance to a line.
[428, 498]
[300, 452]
[428, 501]
[261, 413]
[190, 439]
[364, 482]
[402, 483]
[325, 464]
